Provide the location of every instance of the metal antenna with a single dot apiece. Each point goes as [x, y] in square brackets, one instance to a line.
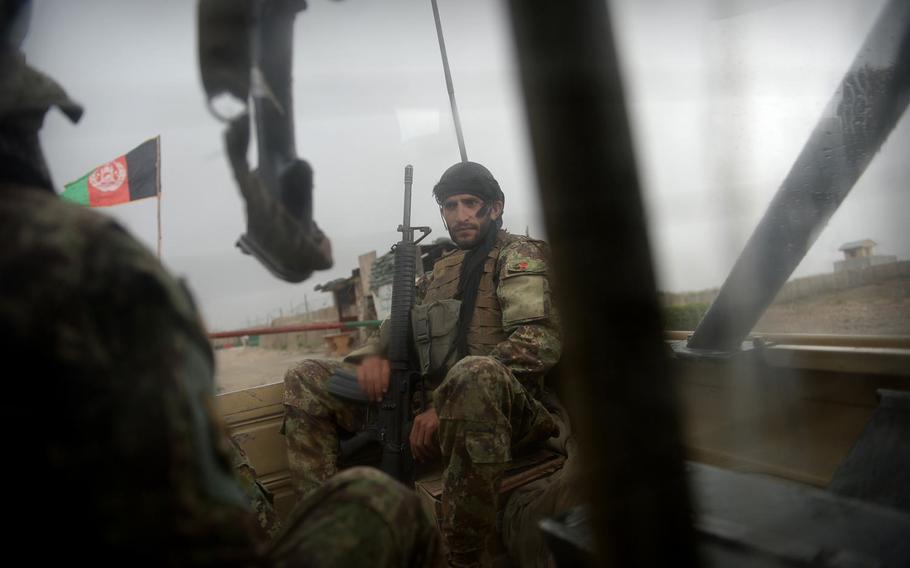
[449, 87]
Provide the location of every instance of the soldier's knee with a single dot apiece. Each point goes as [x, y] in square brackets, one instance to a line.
[474, 377]
[480, 372]
[305, 383]
[307, 373]
[377, 491]
[365, 481]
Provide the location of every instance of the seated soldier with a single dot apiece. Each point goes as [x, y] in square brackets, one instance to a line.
[486, 375]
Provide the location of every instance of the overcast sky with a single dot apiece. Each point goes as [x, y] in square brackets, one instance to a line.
[722, 96]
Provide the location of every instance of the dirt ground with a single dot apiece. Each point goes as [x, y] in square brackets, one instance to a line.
[238, 368]
[875, 309]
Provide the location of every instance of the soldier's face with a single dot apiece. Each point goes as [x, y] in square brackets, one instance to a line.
[467, 217]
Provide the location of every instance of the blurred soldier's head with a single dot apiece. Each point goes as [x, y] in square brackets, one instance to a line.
[470, 202]
[25, 97]
[14, 19]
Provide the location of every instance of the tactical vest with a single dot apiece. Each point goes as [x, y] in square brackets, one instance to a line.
[486, 323]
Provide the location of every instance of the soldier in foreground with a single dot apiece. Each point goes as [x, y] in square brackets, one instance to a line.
[486, 373]
[128, 461]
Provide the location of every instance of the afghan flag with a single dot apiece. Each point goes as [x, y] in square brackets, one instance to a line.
[135, 175]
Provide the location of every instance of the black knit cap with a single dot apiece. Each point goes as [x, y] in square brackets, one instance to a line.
[470, 178]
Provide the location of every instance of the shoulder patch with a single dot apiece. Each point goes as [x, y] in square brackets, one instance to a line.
[529, 265]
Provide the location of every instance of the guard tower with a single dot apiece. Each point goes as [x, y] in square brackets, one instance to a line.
[859, 255]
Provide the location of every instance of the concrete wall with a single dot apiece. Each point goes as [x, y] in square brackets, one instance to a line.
[825, 283]
[862, 262]
[301, 340]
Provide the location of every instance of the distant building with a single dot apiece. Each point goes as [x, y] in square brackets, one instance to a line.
[382, 272]
[859, 255]
[367, 293]
[347, 294]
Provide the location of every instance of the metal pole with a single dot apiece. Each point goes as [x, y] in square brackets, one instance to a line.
[158, 199]
[295, 328]
[158, 188]
[621, 396]
[449, 86]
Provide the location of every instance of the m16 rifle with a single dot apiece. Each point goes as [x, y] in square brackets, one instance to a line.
[393, 424]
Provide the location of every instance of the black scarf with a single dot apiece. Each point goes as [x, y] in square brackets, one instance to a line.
[469, 282]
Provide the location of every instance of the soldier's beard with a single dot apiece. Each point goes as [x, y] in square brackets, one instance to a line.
[484, 224]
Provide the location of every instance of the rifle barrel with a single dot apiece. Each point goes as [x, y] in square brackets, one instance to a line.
[406, 232]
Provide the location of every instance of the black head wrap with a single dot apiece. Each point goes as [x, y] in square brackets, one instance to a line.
[470, 178]
[473, 179]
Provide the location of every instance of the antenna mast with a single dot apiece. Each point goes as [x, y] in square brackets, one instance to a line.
[449, 87]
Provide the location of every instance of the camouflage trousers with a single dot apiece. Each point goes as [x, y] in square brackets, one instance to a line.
[485, 415]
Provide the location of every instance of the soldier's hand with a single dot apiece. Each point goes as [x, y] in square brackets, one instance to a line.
[373, 376]
[423, 435]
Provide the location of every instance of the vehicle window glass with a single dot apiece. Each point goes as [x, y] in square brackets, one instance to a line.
[723, 96]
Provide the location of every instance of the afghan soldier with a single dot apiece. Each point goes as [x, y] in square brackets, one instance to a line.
[494, 336]
[113, 413]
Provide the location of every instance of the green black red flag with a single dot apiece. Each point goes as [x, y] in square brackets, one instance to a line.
[135, 175]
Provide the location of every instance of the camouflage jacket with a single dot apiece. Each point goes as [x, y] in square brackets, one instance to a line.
[116, 397]
[514, 298]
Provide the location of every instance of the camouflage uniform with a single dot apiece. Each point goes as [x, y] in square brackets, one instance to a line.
[115, 403]
[360, 517]
[489, 403]
[134, 456]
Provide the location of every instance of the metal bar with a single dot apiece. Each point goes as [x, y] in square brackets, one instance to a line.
[864, 109]
[158, 188]
[295, 328]
[842, 360]
[817, 339]
[449, 86]
[622, 401]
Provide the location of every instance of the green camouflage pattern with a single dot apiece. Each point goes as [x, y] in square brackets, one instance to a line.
[534, 345]
[117, 391]
[360, 517]
[485, 415]
[260, 499]
[311, 422]
[128, 459]
[488, 406]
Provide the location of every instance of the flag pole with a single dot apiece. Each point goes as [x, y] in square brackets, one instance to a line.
[158, 188]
